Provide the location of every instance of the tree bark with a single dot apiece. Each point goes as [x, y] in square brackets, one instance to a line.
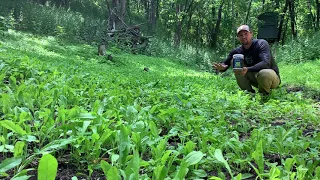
[282, 18]
[153, 13]
[215, 31]
[117, 11]
[178, 32]
[284, 32]
[312, 18]
[318, 14]
[248, 12]
[292, 18]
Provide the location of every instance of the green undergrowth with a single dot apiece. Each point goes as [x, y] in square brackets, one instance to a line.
[113, 119]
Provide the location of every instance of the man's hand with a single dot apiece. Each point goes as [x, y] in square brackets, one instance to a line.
[220, 66]
[242, 71]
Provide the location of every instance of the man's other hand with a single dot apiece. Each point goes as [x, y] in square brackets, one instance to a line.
[220, 66]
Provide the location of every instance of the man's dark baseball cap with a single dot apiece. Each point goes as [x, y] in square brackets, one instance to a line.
[243, 28]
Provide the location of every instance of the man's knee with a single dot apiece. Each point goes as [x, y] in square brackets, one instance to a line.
[268, 79]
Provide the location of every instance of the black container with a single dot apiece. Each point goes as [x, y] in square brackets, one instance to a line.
[238, 61]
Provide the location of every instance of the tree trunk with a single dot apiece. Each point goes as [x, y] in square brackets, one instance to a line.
[233, 24]
[146, 9]
[117, 11]
[215, 32]
[292, 18]
[191, 12]
[153, 13]
[312, 18]
[177, 34]
[282, 17]
[318, 14]
[284, 31]
[248, 12]
[179, 9]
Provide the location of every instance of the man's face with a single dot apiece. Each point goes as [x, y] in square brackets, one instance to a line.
[245, 37]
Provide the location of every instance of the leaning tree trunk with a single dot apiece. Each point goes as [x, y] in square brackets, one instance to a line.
[248, 12]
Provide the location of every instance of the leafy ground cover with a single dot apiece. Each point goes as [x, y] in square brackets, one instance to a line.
[67, 111]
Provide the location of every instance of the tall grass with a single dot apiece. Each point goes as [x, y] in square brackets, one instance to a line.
[52, 21]
[299, 50]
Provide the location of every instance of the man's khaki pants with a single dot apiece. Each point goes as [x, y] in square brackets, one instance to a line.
[264, 80]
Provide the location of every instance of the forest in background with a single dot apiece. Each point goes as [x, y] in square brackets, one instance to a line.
[202, 30]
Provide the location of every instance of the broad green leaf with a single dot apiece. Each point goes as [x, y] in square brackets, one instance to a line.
[182, 171]
[13, 81]
[107, 133]
[123, 144]
[160, 172]
[47, 102]
[301, 172]
[9, 164]
[318, 172]
[113, 173]
[293, 176]
[165, 156]
[194, 157]
[2, 139]
[85, 126]
[18, 148]
[218, 155]
[105, 166]
[238, 177]
[114, 158]
[200, 173]
[288, 164]
[274, 173]
[136, 139]
[133, 165]
[6, 103]
[47, 168]
[13, 127]
[153, 129]
[257, 155]
[189, 146]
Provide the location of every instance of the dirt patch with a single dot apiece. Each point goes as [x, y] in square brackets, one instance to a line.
[306, 91]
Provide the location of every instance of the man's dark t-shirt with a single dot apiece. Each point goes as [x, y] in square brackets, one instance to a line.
[257, 57]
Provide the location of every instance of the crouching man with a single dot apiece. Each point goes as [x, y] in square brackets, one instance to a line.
[259, 67]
